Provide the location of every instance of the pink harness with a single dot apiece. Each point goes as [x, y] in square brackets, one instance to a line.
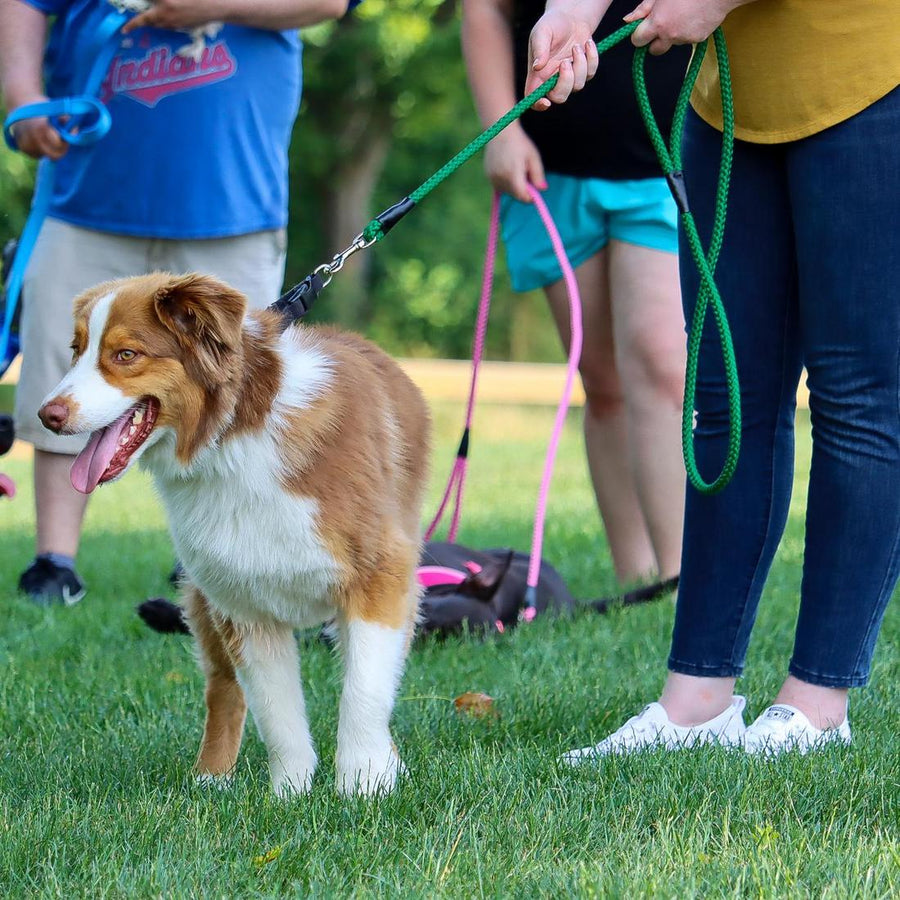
[435, 576]
[457, 478]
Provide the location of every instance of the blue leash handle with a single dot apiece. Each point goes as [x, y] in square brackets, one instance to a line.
[81, 121]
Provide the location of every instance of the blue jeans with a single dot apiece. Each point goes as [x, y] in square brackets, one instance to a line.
[810, 276]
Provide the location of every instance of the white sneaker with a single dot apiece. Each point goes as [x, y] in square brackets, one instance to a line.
[782, 727]
[652, 728]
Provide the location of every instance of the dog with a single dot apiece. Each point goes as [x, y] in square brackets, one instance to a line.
[292, 466]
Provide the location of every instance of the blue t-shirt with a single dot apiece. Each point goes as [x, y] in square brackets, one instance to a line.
[197, 148]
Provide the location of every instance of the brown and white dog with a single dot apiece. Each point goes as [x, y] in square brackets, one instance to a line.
[292, 467]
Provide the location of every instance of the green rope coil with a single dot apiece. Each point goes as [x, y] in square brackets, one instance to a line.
[708, 296]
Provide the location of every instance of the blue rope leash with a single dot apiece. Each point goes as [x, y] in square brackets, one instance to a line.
[81, 121]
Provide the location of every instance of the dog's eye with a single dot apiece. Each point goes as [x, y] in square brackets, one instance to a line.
[125, 355]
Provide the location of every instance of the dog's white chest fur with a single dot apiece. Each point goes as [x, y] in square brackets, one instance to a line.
[253, 548]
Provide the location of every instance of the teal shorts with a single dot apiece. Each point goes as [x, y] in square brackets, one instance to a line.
[589, 213]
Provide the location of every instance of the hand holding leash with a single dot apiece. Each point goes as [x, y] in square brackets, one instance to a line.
[36, 135]
[78, 121]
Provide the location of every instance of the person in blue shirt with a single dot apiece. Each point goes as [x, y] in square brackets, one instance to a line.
[192, 176]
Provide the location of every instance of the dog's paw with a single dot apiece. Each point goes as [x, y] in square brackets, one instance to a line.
[292, 778]
[221, 782]
[369, 774]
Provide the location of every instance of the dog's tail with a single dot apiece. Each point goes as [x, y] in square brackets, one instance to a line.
[164, 616]
[645, 594]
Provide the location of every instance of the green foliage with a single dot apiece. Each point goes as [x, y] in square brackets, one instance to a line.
[16, 179]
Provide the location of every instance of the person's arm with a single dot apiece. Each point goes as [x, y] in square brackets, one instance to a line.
[557, 35]
[23, 32]
[511, 159]
[487, 46]
[276, 15]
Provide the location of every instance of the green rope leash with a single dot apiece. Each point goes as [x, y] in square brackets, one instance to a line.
[670, 160]
[706, 263]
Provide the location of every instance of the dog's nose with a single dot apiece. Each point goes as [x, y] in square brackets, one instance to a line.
[54, 415]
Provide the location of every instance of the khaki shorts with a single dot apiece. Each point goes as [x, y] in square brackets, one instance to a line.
[67, 260]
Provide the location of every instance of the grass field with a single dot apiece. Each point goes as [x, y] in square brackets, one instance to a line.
[101, 719]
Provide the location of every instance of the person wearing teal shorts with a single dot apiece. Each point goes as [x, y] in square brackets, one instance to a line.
[594, 164]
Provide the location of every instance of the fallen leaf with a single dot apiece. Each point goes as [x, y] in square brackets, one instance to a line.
[479, 706]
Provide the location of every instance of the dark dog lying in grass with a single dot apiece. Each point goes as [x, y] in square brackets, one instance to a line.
[464, 588]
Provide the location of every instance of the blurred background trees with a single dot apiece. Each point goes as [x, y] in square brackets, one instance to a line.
[385, 104]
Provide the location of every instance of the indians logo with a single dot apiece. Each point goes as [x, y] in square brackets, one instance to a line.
[161, 72]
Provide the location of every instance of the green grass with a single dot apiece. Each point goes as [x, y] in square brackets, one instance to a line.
[101, 719]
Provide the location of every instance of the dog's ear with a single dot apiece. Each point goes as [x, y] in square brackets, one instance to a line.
[205, 315]
[484, 584]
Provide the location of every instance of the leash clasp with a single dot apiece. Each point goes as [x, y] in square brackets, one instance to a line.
[327, 270]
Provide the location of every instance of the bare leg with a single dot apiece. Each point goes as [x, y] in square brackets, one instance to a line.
[605, 420]
[59, 507]
[689, 700]
[268, 669]
[226, 708]
[648, 325]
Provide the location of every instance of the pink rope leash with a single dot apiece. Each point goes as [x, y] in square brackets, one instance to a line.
[457, 478]
[458, 473]
[576, 340]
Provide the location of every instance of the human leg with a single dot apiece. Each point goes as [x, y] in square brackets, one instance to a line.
[730, 538]
[605, 419]
[532, 263]
[648, 328]
[60, 531]
[65, 261]
[845, 188]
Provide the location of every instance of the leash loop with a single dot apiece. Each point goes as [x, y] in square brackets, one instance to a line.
[708, 296]
[79, 121]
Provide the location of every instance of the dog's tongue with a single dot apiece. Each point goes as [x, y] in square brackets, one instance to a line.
[94, 460]
[7, 487]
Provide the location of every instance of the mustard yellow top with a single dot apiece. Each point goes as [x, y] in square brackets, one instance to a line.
[800, 66]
